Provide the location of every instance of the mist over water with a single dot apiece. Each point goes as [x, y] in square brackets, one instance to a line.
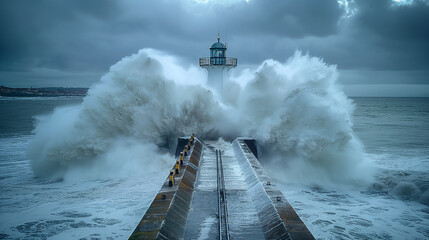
[139, 108]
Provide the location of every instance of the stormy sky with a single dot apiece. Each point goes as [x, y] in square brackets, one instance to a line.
[381, 47]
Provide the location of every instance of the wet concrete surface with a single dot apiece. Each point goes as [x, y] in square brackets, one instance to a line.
[256, 209]
[203, 220]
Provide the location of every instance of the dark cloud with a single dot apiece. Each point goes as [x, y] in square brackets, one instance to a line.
[398, 34]
[295, 18]
[89, 36]
[49, 33]
[78, 34]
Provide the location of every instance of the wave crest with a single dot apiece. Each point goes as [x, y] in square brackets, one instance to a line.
[294, 107]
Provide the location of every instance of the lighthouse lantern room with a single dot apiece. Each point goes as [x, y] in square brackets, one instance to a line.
[217, 65]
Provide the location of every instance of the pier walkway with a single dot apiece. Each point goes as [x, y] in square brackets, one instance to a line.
[221, 192]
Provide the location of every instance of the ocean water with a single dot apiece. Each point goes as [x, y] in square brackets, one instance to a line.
[395, 205]
[394, 132]
[40, 208]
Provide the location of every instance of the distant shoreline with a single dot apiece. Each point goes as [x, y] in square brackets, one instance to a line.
[81, 92]
[42, 92]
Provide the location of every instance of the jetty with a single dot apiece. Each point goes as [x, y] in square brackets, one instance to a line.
[219, 192]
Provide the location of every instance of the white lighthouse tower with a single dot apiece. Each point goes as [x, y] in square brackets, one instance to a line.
[217, 65]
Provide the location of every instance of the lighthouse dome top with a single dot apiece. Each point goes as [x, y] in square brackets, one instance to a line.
[218, 44]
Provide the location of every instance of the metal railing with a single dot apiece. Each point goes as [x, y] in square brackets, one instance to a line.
[221, 191]
[211, 61]
[219, 210]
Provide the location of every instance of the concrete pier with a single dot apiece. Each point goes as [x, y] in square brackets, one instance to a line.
[222, 193]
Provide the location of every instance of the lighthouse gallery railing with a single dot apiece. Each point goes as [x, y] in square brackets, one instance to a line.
[228, 61]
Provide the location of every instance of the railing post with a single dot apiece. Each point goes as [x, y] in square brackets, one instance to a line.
[181, 158]
[171, 178]
[177, 167]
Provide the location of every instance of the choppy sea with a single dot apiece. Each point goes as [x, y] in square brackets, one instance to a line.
[394, 132]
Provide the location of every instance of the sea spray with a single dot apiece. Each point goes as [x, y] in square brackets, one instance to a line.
[298, 110]
[134, 101]
[294, 107]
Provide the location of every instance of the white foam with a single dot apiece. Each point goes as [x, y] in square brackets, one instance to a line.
[147, 98]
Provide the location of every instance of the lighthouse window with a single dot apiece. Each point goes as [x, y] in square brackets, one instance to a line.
[218, 53]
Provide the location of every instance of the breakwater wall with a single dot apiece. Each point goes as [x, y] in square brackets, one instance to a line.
[166, 216]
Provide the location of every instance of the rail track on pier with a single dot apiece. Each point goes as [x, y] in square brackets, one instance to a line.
[222, 202]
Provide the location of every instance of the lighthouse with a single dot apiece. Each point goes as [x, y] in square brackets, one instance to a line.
[217, 65]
